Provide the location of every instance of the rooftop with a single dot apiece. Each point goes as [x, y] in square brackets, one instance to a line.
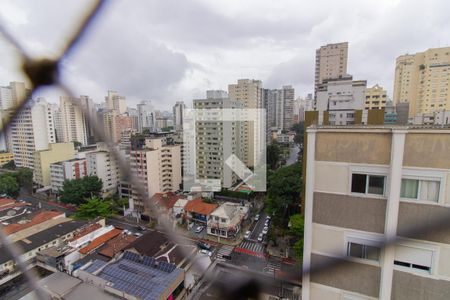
[200, 207]
[39, 217]
[140, 276]
[116, 245]
[97, 242]
[167, 200]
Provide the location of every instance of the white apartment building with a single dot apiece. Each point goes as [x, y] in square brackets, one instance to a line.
[32, 130]
[73, 121]
[340, 97]
[101, 163]
[10, 95]
[146, 116]
[157, 165]
[368, 184]
[66, 170]
[331, 62]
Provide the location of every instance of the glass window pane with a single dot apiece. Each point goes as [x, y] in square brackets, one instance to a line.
[359, 183]
[429, 190]
[410, 188]
[373, 253]
[355, 250]
[376, 185]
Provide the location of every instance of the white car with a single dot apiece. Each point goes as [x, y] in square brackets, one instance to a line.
[247, 234]
[256, 217]
[199, 229]
[260, 237]
[206, 252]
[265, 230]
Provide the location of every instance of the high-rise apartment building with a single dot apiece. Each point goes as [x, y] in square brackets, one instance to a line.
[114, 124]
[376, 97]
[57, 122]
[339, 99]
[157, 165]
[284, 107]
[43, 159]
[249, 93]
[178, 113]
[116, 102]
[331, 62]
[74, 121]
[146, 116]
[32, 130]
[61, 171]
[365, 185]
[216, 140]
[423, 80]
[102, 164]
[10, 95]
[90, 113]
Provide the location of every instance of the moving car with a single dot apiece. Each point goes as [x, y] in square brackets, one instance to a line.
[203, 245]
[199, 229]
[206, 252]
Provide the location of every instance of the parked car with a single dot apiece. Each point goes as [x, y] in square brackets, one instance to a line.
[203, 245]
[266, 223]
[247, 234]
[199, 229]
[260, 237]
[206, 252]
[268, 218]
[256, 217]
[265, 230]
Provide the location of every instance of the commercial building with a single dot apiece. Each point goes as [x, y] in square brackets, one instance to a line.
[368, 184]
[74, 121]
[225, 221]
[338, 99]
[102, 164]
[376, 97]
[157, 165]
[32, 130]
[331, 62]
[66, 170]
[44, 158]
[422, 80]
[216, 140]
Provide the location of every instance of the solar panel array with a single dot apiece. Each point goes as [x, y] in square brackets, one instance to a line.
[141, 276]
[96, 264]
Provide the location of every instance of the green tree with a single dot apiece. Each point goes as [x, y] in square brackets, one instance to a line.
[283, 193]
[298, 249]
[93, 208]
[25, 178]
[9, 185]
[78, 190]
[10, 165]
[299, 129]
[296, 227]
[273, 155]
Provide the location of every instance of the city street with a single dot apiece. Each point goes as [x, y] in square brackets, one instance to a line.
[293, 155]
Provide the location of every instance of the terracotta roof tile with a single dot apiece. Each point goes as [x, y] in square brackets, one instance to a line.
[6, 201]
[97, 242]
[85, 231]
[168, 200]
[38, 218]
[117, 244]
[200, 207]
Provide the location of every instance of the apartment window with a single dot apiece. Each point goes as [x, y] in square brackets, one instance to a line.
[360, 250]
[424, 190]
[368, 184]
[413, 257]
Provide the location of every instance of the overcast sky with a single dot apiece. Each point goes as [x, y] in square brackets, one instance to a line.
[172, 50]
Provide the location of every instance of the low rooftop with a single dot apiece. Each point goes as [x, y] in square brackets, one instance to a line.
[200, 207]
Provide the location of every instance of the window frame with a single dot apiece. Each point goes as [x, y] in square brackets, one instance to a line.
[366, 240]
[434, 258]
[369, 170]
[426, 175]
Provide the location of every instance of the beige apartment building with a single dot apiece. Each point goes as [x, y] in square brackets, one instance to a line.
[331, 62]
[249, 93]
[216, 141]
[44, 158]
[423, 79]
[73, 121]
[368, 184]
[101, 163]
[157, 165]
[376, 97]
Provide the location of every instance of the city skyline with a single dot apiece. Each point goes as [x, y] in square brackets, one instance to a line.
[274, 43]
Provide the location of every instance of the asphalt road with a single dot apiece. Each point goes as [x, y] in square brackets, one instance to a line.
[293, 155]
[258, 228]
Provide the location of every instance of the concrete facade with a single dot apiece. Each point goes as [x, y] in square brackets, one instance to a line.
[365, 185]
